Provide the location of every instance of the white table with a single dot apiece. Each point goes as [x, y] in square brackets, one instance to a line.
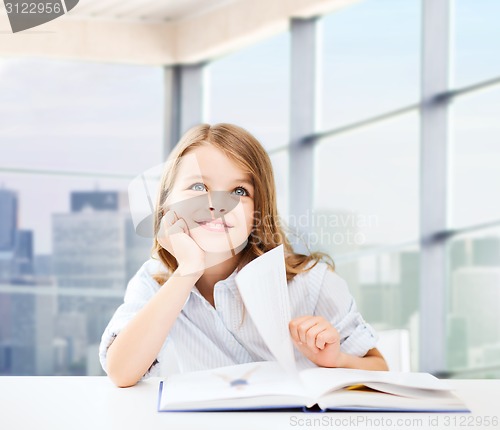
[53, 403]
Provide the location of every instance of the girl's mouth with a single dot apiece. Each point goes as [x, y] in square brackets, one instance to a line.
[213, 226]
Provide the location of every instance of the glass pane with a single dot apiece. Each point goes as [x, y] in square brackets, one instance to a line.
[80, 116]
[65, 272]
[370, 55]
[66, 258]
[366, 187]
[385, 287]
[476, 41]
[475, 159]
[250, 88]
[474, 303]
[280, 168]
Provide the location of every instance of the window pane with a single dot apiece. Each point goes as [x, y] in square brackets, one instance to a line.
[370, 55]
[475, 159]
[385, 287]
[366, 186]
[474, 302]
[250, 88]
[66, 273]
[80, 116]
[476, 41]
[280, 168]
[65, 263]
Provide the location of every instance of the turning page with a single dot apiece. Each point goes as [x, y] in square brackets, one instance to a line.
[264, 290]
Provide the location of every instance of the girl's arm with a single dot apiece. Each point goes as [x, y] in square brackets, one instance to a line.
[319, 341]
[373, 360]
[138, 344]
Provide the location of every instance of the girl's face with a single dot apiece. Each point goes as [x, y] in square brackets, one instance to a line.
[215, 198]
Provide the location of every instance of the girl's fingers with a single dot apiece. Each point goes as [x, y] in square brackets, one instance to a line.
[312, 335]
[304, 328]
[329, 335]
[300, 326]
[165, 223]
[314, 332]
[170, 224]
[169, 218]
[177, 227]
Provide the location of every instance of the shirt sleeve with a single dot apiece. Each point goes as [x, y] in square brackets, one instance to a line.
[337, 305]
[140, 289]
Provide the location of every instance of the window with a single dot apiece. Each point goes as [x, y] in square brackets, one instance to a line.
[474, 303]
[472, 250]
[355, 184]
[369, 54]
[475, 159]
[76, 134]
[476, 37]
[250, 88]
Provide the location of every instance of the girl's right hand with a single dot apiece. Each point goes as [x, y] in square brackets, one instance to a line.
[175, 237]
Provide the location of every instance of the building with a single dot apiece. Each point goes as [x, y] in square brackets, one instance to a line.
[8, 219]
[475, 305]
[95, 252]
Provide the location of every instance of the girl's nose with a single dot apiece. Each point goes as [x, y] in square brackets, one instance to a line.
[221, 202]
[220, 210]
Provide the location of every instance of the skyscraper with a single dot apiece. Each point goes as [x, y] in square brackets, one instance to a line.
[23, 254]
[96, 200]
[486, 251]
[475, 298]
[8, 219]
[96, 251]
[8, 228]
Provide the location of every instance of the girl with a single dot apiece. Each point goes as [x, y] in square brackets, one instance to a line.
[216, 211]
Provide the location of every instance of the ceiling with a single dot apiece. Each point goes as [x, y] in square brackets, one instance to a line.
[158, 32]
[144, 10]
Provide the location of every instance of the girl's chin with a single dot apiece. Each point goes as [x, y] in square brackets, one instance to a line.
[223, 249]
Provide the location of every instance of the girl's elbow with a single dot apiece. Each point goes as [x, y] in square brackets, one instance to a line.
[125, 384]
[120, 377]
[383, 364]
[122, 381]
[379, 362]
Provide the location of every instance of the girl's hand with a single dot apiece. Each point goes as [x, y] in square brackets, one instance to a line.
[318, 340]
[175, 237]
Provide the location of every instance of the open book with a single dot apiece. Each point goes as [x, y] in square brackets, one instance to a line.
[278, 384]
[266, 385]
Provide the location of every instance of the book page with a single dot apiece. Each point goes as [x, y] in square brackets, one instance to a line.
[434, 401]
[322, 380]
[259, 379]
[264, 290]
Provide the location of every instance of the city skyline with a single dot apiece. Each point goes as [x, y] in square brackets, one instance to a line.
[385, 287]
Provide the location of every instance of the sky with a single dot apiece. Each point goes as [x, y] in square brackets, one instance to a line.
[103, 118]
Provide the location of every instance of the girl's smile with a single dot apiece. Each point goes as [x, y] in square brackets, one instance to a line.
[214, 196]
[215, 225]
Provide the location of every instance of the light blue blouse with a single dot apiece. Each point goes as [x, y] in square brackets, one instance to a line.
[205, 337]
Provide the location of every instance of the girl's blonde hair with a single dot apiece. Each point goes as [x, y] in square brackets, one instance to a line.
[244, 150]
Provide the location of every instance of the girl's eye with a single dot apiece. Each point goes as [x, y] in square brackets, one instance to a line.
[198, 187]
[241, 191]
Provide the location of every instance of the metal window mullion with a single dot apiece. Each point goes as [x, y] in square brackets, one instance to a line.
[303, 102]
[434, 185]
[184, 97]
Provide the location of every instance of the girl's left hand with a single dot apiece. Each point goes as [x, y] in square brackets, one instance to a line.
[317, 339]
